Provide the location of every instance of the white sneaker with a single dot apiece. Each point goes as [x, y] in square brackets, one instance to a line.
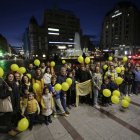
[97, 106]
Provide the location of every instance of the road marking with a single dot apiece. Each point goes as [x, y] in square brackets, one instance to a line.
[70, 129]
[118, 120]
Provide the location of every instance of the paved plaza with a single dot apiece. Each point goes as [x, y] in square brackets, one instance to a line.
[87, 123]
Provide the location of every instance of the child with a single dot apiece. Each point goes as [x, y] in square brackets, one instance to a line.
[56, 97]
[46, 103]
[32, 108]
[24, 99]
[105, 85]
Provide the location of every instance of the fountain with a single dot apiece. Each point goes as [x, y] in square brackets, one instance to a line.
[76, 51]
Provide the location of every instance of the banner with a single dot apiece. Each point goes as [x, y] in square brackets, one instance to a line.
[83, 89]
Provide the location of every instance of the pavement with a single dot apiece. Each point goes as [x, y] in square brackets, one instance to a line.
[87, 123]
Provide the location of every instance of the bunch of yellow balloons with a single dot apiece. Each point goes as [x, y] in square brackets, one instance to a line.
[116, 93]
[23, 124]
[80, 59]
[118, 80]
[106, 92]
[110, 58]
[118, 70]
[52, 64]
[115, 99]
[1, 72]
[63, 61]
[58, 87]
[36, 86]
[65, 86]
[69, 81]
[14, 67]
[105, 67]
[37, 62]
[22, 70]
[125, 103]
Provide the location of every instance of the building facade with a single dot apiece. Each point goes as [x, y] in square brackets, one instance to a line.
[121, 30]
[54, 36]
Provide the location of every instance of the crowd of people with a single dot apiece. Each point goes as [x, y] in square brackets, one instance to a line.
[46, 101]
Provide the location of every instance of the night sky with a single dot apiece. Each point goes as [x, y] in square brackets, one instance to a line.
[15, 15]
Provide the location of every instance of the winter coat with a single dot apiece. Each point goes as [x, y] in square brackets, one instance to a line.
[46, 103]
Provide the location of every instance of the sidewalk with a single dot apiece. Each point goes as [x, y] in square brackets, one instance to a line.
[88, 123]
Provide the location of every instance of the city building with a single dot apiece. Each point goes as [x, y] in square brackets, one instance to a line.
[5, 48]
[54, 36]
[121, 30]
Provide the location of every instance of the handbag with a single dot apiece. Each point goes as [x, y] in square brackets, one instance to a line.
[6, 105]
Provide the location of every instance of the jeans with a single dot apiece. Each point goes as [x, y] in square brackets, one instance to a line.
[136, 87]
[128, 89]
[58, 103]
[95, 92]
[63, 102]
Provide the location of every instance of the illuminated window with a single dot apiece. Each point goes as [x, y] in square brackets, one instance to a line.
[53, 29]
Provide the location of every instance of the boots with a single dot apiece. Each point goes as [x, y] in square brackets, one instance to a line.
[49, 119]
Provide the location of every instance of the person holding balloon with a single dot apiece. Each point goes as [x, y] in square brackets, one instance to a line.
[55, 88]
[38, 78]
[112, 72]
[32, 109]
[63, 95]
[105, 85]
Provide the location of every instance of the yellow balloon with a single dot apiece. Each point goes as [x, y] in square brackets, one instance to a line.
[87, 60]
[29, 75]
[105, 67]
[118, 69]
[80, 59]
[52, 64]
[37, 62]
[22, 70]
[14, 67]
[1, 72]
[122, 68]
[69, 81]
[116, 93]
[110, 58]
[115, 99]
[23, 124]
[63, 61]
[125, 103]
[127, 98]
[125, 59]
[65, 86]
[36, 86]
[106, 92]
[58, 87]
[118, 80]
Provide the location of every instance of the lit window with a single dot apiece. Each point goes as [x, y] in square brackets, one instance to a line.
[53, 29]
[116, 14]
[52, 33]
